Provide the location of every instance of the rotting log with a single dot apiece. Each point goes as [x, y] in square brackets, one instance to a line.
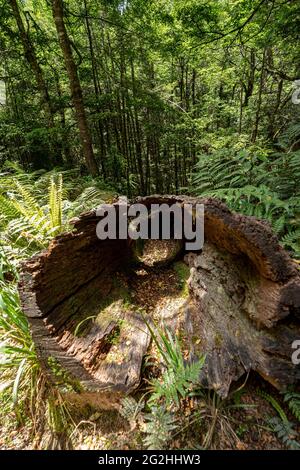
[243, 310]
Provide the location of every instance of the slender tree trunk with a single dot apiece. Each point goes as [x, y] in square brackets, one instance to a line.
[193, 149]
[272, 115]
[31, 58]
[241, 109]
[138, 132]
[251, 78]
[259, 100]
[176, 169]
[77, 97]
[65, 145]
[96, 89]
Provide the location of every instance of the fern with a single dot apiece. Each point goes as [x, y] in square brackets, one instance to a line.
[55, 202]
[285, 432]
[292, 240]
[274, 404]
[159, 425]
[25, 221]
[130, 408]
[91, 197]
[28, 204]
[8, 208]
[179, 377]
[281, 424]
[175, 384]
[265, 186]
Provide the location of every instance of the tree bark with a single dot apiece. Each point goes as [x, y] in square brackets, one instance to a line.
[249, 87]
[97, 90]
[243, 309]
[31, 58]
[77, 96]
[259, 99]
[137, 133]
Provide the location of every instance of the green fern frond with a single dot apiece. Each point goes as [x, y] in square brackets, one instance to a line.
[130, 408]
[28, 204]
[159, 425]
[293, 401]
[55, 202]
[7, 208]
[179, 377]
[281, 424]
[285, 432]
[291, 239]
[277, 407]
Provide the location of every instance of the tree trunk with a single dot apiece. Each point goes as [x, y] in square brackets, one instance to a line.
[138, 133]
[241, 109]
[259, 99]
[77, 97]
[97, 90]
[33, 62]
[243, 310]
[250, 78]
[272, 114]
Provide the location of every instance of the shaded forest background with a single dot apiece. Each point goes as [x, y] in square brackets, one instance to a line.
[138, 92]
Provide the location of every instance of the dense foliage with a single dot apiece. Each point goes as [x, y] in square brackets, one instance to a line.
[165, 96]
[164, 85]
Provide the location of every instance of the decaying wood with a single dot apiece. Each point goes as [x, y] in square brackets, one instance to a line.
[244, 304]
[66, 284]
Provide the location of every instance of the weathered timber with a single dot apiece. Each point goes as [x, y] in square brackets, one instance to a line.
[244, 305]
[64, 287]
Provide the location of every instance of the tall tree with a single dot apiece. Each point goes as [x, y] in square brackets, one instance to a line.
[76, 90]
[31, 58]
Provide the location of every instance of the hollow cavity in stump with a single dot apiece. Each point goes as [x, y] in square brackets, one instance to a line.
[86, 300]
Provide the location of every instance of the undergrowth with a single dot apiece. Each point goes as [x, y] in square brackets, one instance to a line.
[34, 208]
[280, 424]
[257, 182]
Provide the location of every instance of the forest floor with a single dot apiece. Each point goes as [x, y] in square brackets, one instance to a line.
[241, 429]
[161, 293]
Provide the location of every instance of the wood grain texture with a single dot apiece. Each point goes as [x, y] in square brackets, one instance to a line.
[244, 304]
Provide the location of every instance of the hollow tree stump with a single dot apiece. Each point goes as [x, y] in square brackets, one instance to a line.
[243, 310]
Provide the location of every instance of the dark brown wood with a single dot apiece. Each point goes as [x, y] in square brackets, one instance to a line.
[244, 306]
[77, 96]
[243, 309]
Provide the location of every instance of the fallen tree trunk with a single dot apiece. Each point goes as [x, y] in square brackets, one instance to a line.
[244, 305]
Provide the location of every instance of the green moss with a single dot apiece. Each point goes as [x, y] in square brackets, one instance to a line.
[218, 340]
[114, 335]
[120, 291]
[195, 339]
[118, 300]
[183, 273]
[63, 378]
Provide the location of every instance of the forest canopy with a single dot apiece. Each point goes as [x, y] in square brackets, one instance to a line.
[140, 91]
